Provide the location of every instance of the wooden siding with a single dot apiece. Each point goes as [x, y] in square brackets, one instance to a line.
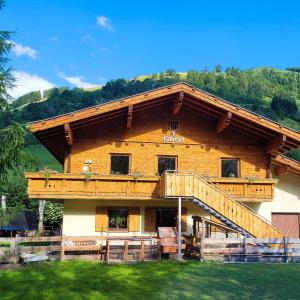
[201, 150]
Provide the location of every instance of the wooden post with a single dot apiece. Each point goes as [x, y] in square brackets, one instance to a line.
[245, 248]
[14, 249]
[285, 246]
[142, 256]
[62, 253]
[41, 216]
[126, 250]
[107, 250]
[179, 229]
[202, 240]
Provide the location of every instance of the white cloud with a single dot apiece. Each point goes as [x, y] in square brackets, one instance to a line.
[105, 22]
[78, 81]
[86, 38]
[19, 50]
[53, 39]
[26, 83]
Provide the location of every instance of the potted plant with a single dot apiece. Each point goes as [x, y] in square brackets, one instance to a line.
[47, 172]
[118, 222]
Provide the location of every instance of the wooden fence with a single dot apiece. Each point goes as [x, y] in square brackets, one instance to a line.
[88, 247]
[247, 249]
[144, 248]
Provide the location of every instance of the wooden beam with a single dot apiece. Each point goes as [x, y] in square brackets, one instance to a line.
[129, 116]
[68, 134]
[223, 122]
[177, 103]
[268, 166]
[281, 170]
[275, 143]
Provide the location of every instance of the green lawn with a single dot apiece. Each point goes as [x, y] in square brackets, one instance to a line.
[155, 280]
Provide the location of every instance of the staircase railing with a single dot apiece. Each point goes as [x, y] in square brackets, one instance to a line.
[217, 189]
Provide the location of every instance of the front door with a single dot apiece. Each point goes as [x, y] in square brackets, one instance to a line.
[166, 217]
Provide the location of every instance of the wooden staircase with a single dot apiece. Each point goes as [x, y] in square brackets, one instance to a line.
[218, 203]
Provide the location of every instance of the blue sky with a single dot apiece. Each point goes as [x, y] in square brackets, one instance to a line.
[87, 42]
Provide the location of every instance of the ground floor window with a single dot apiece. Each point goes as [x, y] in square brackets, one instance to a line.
[166, 217]
[118, 218]
[119, 164]
[230, 167]
[166, 163]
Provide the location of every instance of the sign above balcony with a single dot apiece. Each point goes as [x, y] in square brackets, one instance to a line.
[173, 138]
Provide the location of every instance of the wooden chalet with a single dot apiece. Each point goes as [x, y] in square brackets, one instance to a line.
[127, 162]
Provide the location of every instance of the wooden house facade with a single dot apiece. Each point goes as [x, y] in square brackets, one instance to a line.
[128, 161]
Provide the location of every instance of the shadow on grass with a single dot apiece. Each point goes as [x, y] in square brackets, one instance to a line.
[155, 280]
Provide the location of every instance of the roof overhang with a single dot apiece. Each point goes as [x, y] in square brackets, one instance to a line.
[284, 164]
[278, 138]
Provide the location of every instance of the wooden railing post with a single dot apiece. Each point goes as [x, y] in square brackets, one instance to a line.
[202, 240]
[62, 253]
[285, 246]
[245, 248]
[142, 256]
[14, 249]
[107, 250]
[126, 250]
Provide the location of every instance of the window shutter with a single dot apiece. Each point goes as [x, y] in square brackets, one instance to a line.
[150, 219]
[183, 219]
[134, 219]
[101, 219]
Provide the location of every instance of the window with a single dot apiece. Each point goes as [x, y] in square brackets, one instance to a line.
[166, 217]
[230, 167]
[119, 164]
[118, 218]
[173, 125]
[166, 163]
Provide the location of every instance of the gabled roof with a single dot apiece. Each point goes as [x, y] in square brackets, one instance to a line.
[278, 137]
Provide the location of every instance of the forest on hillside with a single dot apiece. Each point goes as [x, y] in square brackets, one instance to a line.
[272, 93]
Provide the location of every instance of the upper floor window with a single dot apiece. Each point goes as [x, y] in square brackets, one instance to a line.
[119, 164]
[166, 163]
[230, 167]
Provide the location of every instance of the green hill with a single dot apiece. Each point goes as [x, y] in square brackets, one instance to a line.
[270, 92]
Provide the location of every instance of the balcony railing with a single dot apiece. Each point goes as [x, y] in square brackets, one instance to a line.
[78, 186]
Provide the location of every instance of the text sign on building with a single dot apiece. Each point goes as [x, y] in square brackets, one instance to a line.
[172, 138]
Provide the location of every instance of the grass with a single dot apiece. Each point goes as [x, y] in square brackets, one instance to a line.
[4, 244]
[155, 280]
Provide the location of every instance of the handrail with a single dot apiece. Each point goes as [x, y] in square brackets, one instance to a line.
[215, 187]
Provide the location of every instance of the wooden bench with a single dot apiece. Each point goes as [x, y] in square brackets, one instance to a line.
[167, 240]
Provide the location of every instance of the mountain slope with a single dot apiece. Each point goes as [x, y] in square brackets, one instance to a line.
[253, 89]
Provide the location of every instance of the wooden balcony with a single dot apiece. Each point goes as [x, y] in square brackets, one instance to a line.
[257, 190]
[74, 186]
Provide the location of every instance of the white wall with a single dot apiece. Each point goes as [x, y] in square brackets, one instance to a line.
[286, 197]
[79, 215]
